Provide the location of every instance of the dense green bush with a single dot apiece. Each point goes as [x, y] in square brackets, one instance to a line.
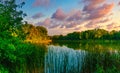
[15, 55]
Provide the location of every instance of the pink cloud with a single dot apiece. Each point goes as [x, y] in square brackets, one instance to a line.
[69, 20]
[74, 16]
[37, 16]
[101, 11]
[47, 22]
[41, 3]
[94, 23]
[96, 11]
[91, 4]
[104, 21]
[59, 14]
[90, 24]
[71, 25]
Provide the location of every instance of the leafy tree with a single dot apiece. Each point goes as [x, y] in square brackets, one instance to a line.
[10, 20]
[10, 17]
[31, 32]
[42, 30]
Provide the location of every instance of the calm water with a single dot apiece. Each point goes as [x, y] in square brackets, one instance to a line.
[78, 58]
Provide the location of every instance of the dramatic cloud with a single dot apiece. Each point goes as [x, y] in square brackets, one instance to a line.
[37, 16]
[69, 20]
[91, 4]
[92, 15]
[59, 14]
[43, 3]
[101, 11]
[71, 16]
[95, 11]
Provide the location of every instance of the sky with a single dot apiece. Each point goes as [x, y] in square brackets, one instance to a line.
[67, 16]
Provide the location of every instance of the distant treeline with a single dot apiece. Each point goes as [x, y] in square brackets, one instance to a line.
[95, 34]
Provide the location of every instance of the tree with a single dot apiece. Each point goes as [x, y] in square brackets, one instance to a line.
[10, 17]
[10, 46]
[42, 30]
[31, 32]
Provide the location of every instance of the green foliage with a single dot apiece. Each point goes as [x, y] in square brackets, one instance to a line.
[16, 56]
[10, 18]
[42, 31]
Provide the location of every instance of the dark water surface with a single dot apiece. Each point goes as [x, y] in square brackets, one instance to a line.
[78, 57]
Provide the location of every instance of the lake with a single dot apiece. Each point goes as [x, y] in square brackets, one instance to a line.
[76, 57]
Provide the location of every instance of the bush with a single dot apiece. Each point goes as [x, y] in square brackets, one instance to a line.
[15, 55]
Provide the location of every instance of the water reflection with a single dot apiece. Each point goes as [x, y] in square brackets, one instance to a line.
[83, 58]
[75, 58]
[91, 46]
[64, 60]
